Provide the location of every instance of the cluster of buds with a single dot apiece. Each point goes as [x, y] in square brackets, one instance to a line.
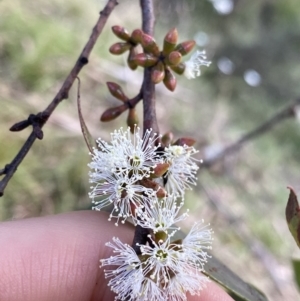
[162, 62]
[145, 180]
[114, 112]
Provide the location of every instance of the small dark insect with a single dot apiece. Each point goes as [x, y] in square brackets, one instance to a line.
[160, 153]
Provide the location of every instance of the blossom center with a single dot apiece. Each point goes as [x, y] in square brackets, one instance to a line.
[135, 161]
[177, 150]
[161, 255]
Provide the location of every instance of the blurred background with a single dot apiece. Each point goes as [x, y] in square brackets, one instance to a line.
[254, 49]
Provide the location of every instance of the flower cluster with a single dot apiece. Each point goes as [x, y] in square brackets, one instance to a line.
[118, 170]
[163, 62]
[146, 181]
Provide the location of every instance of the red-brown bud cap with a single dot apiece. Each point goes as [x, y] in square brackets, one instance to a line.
[112, 113]
[170, 41]
[133, 209]
[149, 45]
[132, 119]
[119, 48]
[121, 32]
[185, 47]
[158, 73]
[179, 69]
[136, 36]
[160, 170]
[161, 192]
[167, 139]
[130, 60]
[185, 141]
[116, 91]
[149, 183]
[174, 58]
[170, 80]
[145, 60]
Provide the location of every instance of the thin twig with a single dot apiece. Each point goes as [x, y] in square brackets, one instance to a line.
[148, 94]
[132, 102]
[148, 88]
[285, 113]
[62, 93]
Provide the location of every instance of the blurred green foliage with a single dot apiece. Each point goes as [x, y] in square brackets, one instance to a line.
[244, 196]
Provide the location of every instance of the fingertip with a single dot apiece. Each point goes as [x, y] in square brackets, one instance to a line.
[56, 257]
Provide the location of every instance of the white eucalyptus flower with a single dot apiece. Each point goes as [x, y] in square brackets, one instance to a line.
[177, 268]
[150, 291]
[134, 154]
[183, 169]
[118, 166]
[126, 279]
[120, 190]
[161, 214]
[191, 281]
[165, 270]
[162, 261]
[192, 66]
[196, 244]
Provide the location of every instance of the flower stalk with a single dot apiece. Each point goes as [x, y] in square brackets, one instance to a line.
[144, 177]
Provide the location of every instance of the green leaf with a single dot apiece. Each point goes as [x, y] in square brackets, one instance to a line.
[296, 266]
[236, 287]
[292, 213]
[89, 140]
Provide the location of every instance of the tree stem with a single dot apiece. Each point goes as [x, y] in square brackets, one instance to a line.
[148, 88]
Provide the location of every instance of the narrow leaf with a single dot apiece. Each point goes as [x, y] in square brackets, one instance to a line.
[89, 140]
[221, 274]
[292, 213]
[296, 266]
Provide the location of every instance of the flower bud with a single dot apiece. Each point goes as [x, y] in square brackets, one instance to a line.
[119, 48]
[146, 182]
[174, 58]
[160, 170]
[170, 41]
[132, 119]
[160, 236]
[292, 214]
[179, 69]
[130, 60]
[113, 113]
[145, 60]
[149, 45]
[170, 80]
[161, 192]
[185, 47]
[167, 138]
[116, 91]
[185, 141]
[133, 209]
[121, 32]
[158, 73]
[136, 36]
